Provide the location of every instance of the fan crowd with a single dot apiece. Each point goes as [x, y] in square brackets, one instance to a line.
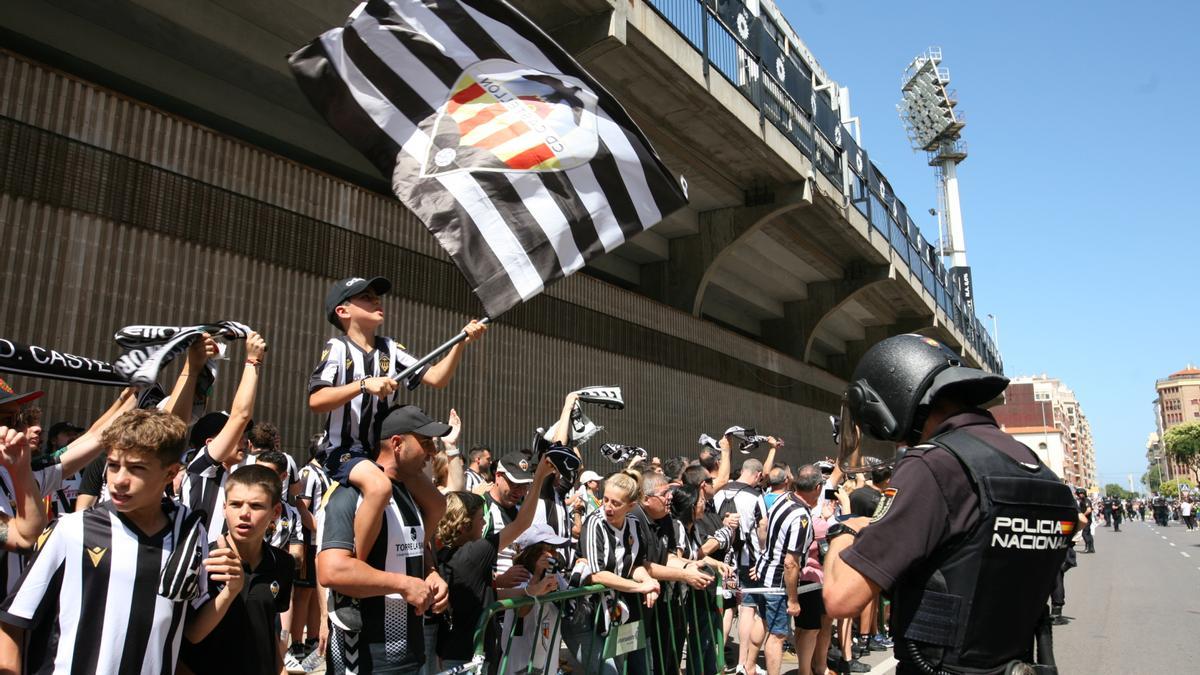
[159, 540]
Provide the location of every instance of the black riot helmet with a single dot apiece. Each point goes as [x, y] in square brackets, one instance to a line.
[897, 380]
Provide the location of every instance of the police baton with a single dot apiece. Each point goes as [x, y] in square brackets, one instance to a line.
[436, 354]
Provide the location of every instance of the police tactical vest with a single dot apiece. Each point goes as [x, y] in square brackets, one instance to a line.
[976, 603]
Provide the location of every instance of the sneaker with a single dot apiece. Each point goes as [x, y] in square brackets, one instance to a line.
[291, 665]
[344, 612]
[313, 661]
[1059, 620]
[857, 666]
[880, 643]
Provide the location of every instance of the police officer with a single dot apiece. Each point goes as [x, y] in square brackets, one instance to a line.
[974, 530]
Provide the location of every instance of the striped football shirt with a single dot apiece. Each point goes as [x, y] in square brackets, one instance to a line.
[789, 530]
[91, 601]
[343, 362]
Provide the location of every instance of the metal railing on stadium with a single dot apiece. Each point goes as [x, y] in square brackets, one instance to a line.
[806, 118]
[682, 631]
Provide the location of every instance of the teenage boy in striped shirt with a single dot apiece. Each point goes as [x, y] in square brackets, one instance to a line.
[135, 551]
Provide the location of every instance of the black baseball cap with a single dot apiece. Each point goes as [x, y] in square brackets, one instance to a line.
[409, 419]
[344, 289]
[8, 396]
[209, 426]
[517, 466]
[62, 428]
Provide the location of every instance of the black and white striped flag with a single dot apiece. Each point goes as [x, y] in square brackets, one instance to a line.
[513, 156]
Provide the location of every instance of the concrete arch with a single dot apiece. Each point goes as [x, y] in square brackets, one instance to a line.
[681, 280]
[828, 297]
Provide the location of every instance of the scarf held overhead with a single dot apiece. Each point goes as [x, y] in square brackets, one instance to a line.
[148, 348]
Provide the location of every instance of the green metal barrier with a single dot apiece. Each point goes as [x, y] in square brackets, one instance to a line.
[703, 638]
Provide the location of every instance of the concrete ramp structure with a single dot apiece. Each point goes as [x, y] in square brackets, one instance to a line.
[159, 165]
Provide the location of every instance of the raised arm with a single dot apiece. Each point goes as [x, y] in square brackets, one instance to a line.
[440, 373]
[84, 449]
[562, 430]
[769, 462]
[528, 510]
[725, 466]
[227, 440]
[184, 392]
[117, 407]
[20, 532]
[455, 475]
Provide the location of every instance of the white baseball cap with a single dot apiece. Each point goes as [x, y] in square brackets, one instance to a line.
[539, 533]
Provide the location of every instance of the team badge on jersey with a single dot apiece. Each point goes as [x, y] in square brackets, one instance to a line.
[385, 363]
[274, 589]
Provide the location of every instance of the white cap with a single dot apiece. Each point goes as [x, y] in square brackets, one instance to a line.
[589, 476]
[539, 533]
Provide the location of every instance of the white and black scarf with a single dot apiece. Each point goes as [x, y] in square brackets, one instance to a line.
[149, 348]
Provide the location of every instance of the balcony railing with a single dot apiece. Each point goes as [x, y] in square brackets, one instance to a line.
[785, 96]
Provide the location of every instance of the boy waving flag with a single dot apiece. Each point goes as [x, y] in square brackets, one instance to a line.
[513, 156]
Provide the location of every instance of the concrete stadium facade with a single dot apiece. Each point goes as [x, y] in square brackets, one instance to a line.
[159, 166]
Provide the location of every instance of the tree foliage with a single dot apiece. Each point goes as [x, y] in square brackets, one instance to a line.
[1114, 490]
[1170, 488]
[1153, 478]
[1183, 443]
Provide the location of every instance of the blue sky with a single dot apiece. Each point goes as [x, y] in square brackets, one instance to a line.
[1083, 136]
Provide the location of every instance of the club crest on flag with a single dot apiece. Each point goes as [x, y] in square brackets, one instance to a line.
[503, 116]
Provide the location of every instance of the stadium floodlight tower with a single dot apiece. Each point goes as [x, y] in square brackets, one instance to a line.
[928, 111]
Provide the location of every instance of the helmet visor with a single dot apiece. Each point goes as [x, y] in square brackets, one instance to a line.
[848, 437]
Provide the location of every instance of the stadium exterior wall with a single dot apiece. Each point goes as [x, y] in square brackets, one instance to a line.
[113, 212]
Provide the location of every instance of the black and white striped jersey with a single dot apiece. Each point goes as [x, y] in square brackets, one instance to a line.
[92, 594]
[789, 530]
[286, 529]
[608, 549]
[552, 510]
[400, 548]
[49, 481]
[495, 519]
[314, 482]
[750, 507]
[691, 541]
[204, 489]
[472, 480]
[344, 362]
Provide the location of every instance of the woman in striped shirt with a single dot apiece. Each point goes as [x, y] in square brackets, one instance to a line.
[610, 541]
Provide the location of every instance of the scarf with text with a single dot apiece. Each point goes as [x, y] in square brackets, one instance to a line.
[147, 349]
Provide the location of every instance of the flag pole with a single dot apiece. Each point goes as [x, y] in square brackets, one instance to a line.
[437, 353]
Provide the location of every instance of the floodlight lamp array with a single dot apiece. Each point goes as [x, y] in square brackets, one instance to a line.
[926, 106]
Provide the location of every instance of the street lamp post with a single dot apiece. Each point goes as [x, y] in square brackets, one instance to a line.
[995, 331]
